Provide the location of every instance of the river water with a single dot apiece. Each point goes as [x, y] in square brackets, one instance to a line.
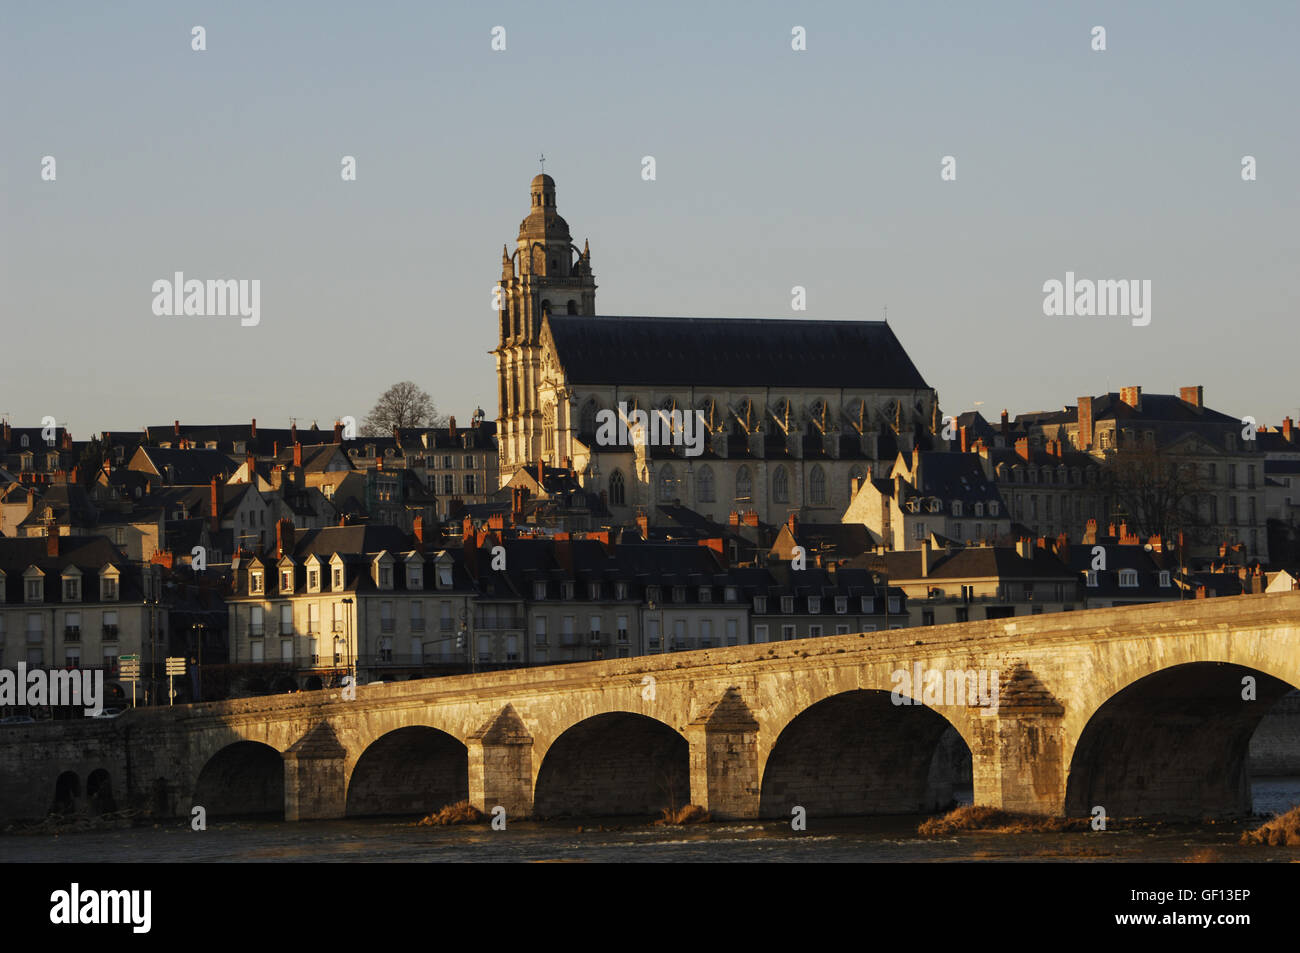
[621, 840]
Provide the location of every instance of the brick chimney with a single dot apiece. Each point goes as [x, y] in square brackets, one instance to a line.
[1006, 423]
[417, 530]
[467, 529]
[1131, 396]
[1085, 423]
[643, 525]
[965, 446]
[293, 432]
[1022, 448]
[749, 518]
[252, 431]
[1288, 434]
[1193, 396]
[1025, 547]
[451, 427]
[252, 467]
[925, 558]
[733, 519]
[541, 476]
[283, 537]
[297, 454]
[214, 507]
[338, 431]
[792, 522]
[176, 428]
[52, 541]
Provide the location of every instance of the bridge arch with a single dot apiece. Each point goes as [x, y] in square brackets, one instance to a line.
[1170, 741]
[414, 769]
[614, 763]
[858, 752]
[243, 778]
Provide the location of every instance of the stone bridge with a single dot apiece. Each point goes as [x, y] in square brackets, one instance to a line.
[1142, 710]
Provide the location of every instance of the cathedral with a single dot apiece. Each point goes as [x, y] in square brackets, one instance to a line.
[794, 412]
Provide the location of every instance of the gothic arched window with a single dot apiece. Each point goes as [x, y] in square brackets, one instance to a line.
[780, 486]
[616, 494]
[704, 485]
[744, 484]
[817, 485]
[588, 423]
[667, 484]
[855, 475]
[548, 429]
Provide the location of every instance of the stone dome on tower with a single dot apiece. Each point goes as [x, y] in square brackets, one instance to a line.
[543, 222]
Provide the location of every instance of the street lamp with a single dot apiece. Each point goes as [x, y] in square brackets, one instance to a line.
[347, 615]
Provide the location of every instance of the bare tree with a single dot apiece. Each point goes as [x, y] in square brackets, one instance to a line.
[402, 405]
[1156, 492]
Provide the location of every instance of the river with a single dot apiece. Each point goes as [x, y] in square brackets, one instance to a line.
[619, 839]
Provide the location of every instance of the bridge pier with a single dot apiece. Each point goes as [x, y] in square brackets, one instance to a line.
[315, 777]
[501, 765]
[1017, 758]
[724, 759]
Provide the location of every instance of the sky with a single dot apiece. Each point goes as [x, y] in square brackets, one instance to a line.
[774, 168]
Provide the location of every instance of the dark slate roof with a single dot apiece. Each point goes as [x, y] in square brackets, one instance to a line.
[731, 352]
[87, 553]
[190, 467]
[1001, 562]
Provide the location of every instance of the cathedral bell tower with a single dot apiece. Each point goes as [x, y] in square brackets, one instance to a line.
[547, 274]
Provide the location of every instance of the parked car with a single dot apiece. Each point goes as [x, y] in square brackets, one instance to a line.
[109, 713]
[18, 720]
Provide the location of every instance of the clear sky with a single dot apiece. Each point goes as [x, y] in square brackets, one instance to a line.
[775, 168]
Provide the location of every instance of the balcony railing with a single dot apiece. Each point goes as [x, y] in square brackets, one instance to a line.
[417, 625]
[110, 633]
[72, 633]
[386, 625]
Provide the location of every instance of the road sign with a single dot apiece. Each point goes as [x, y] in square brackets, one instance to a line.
[175, 666]
[129, 669]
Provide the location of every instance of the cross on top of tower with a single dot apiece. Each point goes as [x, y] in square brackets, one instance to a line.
[542, 159]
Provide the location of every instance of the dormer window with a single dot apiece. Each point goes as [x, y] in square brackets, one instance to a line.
[935, 506]
[256, 583]
[706, 593]
[731, 594]
[336, 578]
[567, 590]
[814, 604]
[34, 586]
[593, 591]
[539, 591]
[1092, 579]
[620, 590]
[1165, 581]
[1128, 578]
[71, 589]
[385, 577]
[286, 580]
[313, 579]
[956, 507]
[979, 509]
[842, 604]
[993, 508]
[415, 575]
[108, 589]
[652, 594]
[760, 604]
[679, 593]
[787, 604]
[444, 576]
